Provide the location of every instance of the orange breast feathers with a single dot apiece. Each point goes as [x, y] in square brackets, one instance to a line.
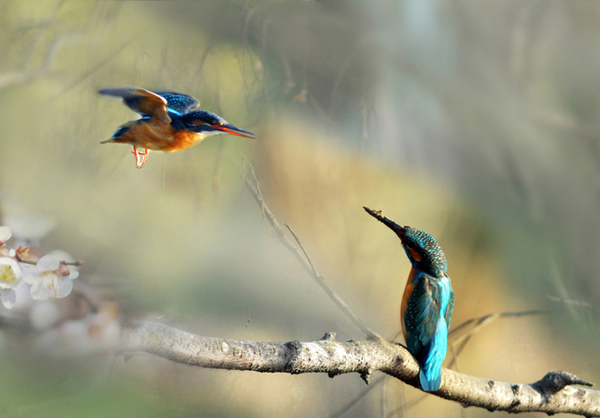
[184, 140]
[408, 290]
[158, 136]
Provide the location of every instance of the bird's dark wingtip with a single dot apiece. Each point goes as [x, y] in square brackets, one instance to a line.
[124, 92]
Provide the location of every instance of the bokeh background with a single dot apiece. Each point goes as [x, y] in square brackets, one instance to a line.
[476, 122]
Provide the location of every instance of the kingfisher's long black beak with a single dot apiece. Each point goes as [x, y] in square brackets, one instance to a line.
[377, 214]
[232, 130]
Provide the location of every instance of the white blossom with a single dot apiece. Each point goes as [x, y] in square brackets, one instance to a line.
[5, 234]
[10, 279]
[47, 279]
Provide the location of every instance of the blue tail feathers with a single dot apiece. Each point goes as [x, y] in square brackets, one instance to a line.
[430, 374]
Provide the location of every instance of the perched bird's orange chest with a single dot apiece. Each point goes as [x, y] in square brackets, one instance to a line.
[408, 291]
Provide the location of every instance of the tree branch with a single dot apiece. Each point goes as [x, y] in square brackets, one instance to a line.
[552, 394]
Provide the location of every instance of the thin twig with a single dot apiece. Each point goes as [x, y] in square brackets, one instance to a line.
[480, 322]
[406, 406]
[353, 402]
[569, 301]
[262, 208]
[384, 398]
[497, 315]
[312, 266]
[67, 263]
[307, 265]
[454, 357]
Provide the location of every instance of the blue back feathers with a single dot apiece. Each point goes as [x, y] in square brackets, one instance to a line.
[427, 319]
[430, 374]
[179, 103]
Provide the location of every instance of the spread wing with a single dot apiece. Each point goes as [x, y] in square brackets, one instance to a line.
[180, 103]
[422, 314]
[141, 101]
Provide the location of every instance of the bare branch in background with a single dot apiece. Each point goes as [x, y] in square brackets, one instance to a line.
[582, 304]
[307, 264]
[354, 401]
[21, 76]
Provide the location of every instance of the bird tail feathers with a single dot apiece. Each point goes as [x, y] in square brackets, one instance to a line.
[430, 374]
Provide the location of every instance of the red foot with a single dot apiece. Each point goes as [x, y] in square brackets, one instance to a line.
[140, 158]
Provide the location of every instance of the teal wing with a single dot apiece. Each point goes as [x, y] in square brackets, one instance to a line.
[427, 316]
[421, 314]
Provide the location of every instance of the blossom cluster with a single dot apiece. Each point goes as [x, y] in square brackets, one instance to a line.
[49, 277]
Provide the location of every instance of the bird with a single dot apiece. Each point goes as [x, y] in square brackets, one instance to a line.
[427, 303]
[170, 122]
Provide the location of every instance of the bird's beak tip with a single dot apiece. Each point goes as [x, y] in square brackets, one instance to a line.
[232, 130]
[377, 214]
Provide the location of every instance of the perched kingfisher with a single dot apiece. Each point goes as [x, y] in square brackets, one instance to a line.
[168, 123]
[427, 303]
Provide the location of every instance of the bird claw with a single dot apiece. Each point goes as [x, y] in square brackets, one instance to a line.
[140, 158]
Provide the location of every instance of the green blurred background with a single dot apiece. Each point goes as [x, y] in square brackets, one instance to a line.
[476, 122]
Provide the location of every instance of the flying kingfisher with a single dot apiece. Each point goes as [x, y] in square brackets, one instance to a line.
[168, 123]
[427, 303]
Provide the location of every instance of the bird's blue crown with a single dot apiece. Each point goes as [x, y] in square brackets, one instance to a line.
[201, 120]
[433, 261]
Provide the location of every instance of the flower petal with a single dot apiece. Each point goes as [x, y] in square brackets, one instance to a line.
[66, 286]
[38, 292]
[5, 233]
[48, 262]
[61, 255]
[9, 298]
[31, 274]
[10, 273]
[48, 286]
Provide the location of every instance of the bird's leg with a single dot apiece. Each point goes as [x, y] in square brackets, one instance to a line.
[137, 157]
[140, 158]
[144, 157]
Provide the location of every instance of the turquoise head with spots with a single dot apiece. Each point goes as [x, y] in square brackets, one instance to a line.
[423, 251]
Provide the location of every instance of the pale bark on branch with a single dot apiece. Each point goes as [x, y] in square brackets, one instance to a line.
[552, 394]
